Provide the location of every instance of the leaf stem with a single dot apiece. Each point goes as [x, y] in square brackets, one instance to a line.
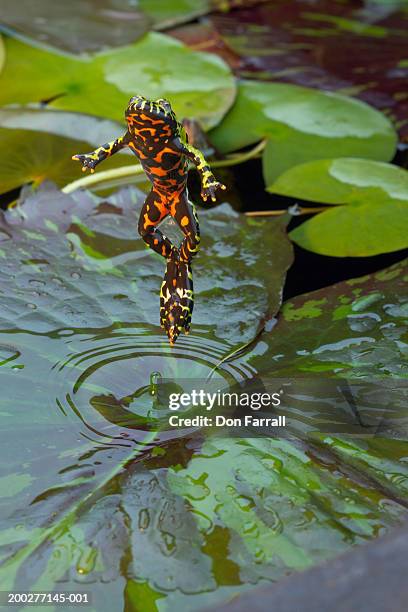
[107, 175]
[232, 160]
[277, 213]
[135, 170]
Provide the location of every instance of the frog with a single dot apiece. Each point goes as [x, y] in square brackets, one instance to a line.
[161, 144]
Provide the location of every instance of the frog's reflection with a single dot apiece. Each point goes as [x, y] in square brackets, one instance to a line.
[144, 409]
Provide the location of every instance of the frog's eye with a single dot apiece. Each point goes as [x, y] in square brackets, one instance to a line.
[136, 99]
[164, 103]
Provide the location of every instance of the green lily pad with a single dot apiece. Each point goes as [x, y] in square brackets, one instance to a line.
[267, 493]
[342, 181]
[302, 125]
[354, 329]
[75, 27]
[93, 130]
[375, 216]
[79, 308]
[29, 155]
[102, 243]
[199, 85]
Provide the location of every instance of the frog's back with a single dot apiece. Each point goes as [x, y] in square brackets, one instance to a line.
[151, 126]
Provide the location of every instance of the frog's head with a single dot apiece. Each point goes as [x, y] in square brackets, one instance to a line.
[143, 110]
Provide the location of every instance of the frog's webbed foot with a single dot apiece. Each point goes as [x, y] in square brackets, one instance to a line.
[88, 160]
[176, 299]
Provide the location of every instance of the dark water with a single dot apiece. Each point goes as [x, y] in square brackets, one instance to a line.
[310, 271]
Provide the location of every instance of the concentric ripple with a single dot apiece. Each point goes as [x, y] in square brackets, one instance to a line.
[106, 379]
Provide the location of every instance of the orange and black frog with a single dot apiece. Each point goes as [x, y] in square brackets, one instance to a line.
[160, 142]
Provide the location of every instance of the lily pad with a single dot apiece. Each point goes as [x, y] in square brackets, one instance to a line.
[301, 125]
[123, 511]
[353, 331]
[362, 329]
[102, 242]
[375, 216]
[79, 308]
[75, 267]
[267, 493]
[298, 42]
[42, 146]
[199, 85]
[78, 26]
[94, 130]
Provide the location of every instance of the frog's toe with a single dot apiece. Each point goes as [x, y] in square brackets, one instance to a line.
[187, 324]
[166, 293]
[176, 299]
[186, 294]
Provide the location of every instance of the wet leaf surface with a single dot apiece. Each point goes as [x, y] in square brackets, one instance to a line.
[36, 145]
[104, 243]
[302, 124]
[100, 501]
[298, 42]
[375, 218]
[198, 85]
[94, 130]
[78, 26]
[257, 487]
[352, 329]
[79, 309]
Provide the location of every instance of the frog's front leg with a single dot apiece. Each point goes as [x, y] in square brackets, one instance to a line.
[209, 184]
[90, 160]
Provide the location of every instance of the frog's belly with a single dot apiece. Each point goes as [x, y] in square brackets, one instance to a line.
[173, 176]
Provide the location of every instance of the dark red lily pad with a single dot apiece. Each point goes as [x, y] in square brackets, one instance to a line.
[330, 44]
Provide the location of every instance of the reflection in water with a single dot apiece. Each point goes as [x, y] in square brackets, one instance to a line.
[110, 382]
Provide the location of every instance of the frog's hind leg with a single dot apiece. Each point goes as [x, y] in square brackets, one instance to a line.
[177, 295]
[176, 299]
[154, 211]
